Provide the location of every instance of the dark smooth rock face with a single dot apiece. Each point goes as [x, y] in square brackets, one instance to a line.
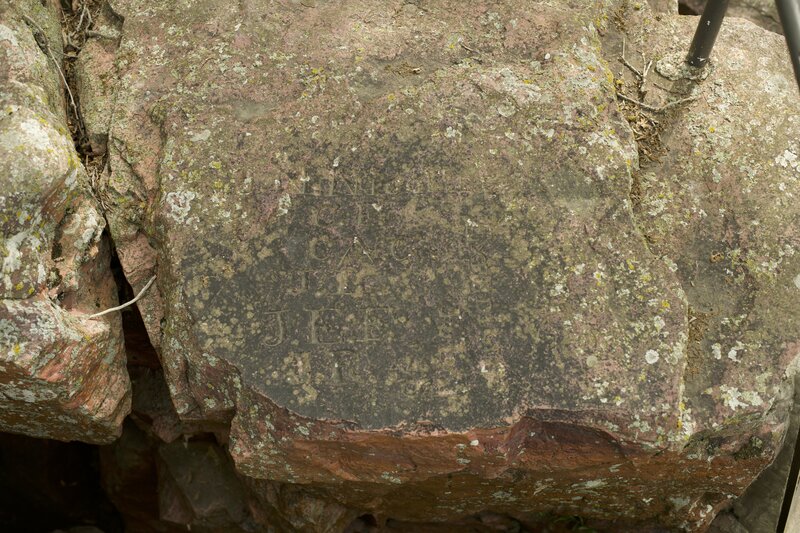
[394, 289]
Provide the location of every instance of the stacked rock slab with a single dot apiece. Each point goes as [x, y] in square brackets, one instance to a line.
[62, 375]
[397, 251]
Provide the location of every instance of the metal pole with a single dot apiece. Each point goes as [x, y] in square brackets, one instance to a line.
[707, 31]
[789, 12]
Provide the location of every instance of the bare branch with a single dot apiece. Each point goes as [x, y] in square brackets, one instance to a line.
[128, 304]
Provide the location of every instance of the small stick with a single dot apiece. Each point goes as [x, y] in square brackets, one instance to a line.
[465, 47]
[678, 102]
[637, 102]
[128, 304]
[645, 72]
[657, 109]
[627, 64]
[41, 39]
[98, 35]
[80, 21]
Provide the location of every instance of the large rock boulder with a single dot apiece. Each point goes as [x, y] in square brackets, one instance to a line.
[409, 252]
[62, 375]
[716, 196]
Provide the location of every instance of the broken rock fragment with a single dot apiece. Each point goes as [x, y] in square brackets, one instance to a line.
[62, 376]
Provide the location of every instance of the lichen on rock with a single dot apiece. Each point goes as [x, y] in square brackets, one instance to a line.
[420, 262]
[62, 375]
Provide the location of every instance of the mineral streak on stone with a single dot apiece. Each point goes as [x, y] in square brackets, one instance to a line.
[396, 249]
[61, 376]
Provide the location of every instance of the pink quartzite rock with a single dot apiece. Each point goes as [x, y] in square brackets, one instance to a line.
[398, 251]
[62, 375]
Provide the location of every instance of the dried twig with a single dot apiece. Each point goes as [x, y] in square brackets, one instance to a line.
[645, 72]
[41, 39]
[128, 304]
[84, 13]
[465, 47]
[100, 35]
[641, 75]
[654, 109]
[675, 103]
[627, 64]
[638, 103]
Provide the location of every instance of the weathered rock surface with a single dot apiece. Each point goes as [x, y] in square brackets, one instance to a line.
[411, 255]
[664, 6]
[720, 203]
[62, 375]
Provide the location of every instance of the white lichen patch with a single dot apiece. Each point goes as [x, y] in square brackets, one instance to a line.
[87, 225]
[284, 203]
[651, 357]
[733, 353]
[716, 350]
[7, 34]
[639, 424]
[180, 203]
[26, 392]
[390, 478]
[504, 496]
[591, 484]
[201, 136]
[679, 502]
[735, 399]
[12, 259]
[452, 133]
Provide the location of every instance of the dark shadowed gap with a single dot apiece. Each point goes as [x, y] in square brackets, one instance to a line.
[47, 485]
[365, 523]
[138, 348]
